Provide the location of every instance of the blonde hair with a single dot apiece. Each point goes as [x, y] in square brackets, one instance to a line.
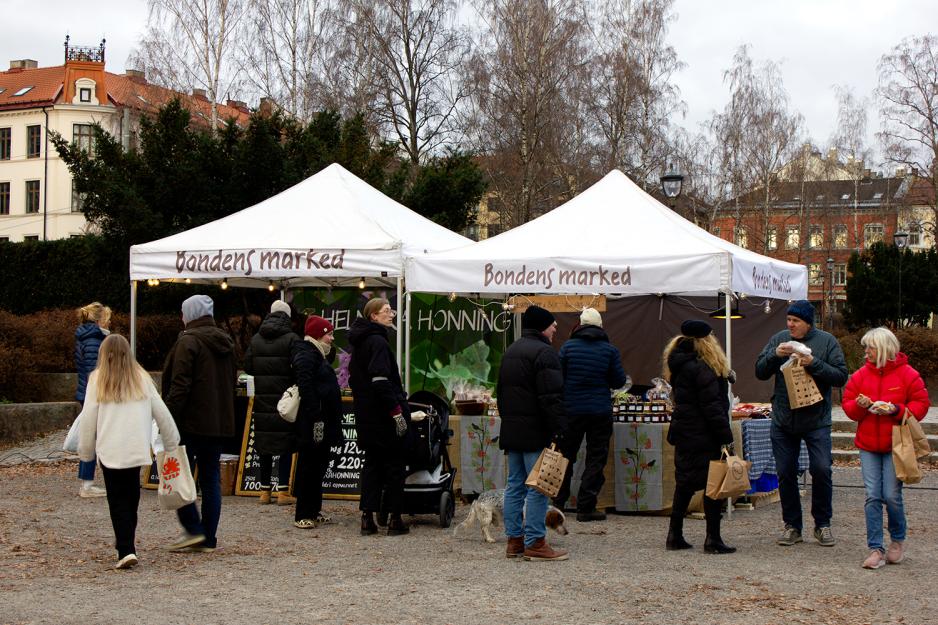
[884, 342]
[374, 306]
[707, 349]
[95, 311]
[120, 377]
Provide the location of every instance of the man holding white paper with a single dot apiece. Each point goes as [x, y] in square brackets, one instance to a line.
[824, 361]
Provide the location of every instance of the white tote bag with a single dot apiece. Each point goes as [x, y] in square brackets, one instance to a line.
[289, 404]
[71, 439]
[177, 488]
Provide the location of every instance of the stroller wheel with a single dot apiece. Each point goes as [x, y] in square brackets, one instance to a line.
[447, 509]
[382, 519]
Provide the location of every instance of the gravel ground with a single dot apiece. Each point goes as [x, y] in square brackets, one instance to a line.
[56, 564]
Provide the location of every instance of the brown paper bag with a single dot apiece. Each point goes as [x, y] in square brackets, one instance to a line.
[548, 472]
[715, 476]
[909, 443]
[735, 477]
[802, 389]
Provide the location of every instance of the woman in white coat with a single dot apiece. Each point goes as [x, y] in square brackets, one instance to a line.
[115, 424]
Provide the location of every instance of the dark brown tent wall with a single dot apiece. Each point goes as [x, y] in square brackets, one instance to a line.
[641, 326]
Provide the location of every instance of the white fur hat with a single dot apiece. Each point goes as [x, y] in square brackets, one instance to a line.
[590, 317]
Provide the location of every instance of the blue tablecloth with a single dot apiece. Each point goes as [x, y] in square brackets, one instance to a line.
[757, 448]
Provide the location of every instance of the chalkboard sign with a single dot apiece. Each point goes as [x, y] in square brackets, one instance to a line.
[341, 480]
[249, 462]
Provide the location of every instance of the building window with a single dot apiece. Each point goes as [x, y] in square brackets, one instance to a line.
[4, 239]
[816, 236]
[6, 137]
[872, 233]
[840, 236]
[915, 235]
[840, 274]
[78, 200]
[31, 237]
[4, 198]
[771, 238]
[815, 277]
[33, 141]
[742, 237]
[32, 196]
[84, 94]
[792, 237]
[83, 137]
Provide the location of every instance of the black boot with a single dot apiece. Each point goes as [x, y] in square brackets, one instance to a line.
[679, 504]
[368, 524]
[396, 526]
[714, 543]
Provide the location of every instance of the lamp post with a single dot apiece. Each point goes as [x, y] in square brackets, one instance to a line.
[830, 298]
[901, 239]
[671, 184]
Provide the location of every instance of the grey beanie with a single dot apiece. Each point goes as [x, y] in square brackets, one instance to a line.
[280, 306]
[196, 307]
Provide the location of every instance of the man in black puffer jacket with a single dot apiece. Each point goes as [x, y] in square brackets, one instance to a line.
[268, 360]
[530, 403]
[591, 367]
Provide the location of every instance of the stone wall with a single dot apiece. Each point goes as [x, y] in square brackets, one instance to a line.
[24, 421]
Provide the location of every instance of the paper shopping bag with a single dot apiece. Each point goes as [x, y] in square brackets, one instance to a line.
[909, 443]
[548, 472]
[715, 477]
[801, 387]
[736, 482]
[177, 487]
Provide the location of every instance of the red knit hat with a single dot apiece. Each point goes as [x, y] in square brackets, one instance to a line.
[317, 327]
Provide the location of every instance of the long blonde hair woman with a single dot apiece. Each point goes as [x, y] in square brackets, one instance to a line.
[115, 426]
[699, 373]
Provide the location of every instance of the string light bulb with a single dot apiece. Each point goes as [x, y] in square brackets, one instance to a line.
[188, 280]
[361, 283]
[153, 282]
[768, 307]
[452, 296]
[507, 306]
[271, 287]
[224, 284]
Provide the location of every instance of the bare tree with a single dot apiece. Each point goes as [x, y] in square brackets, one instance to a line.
[849, 139]
[908, 95]
[755, 134]
[525, 67]
[411, 51]
[190, 44]
[632, 96]
[287, 50]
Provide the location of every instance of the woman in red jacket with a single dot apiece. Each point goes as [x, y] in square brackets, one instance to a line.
[877, 396]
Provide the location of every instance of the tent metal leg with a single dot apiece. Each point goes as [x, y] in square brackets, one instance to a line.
[400, 337]
[407, 306]
[133, 318]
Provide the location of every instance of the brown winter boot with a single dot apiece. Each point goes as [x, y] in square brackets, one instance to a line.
[540, 550]
[265, 497]
[515, 547]
[284, 498]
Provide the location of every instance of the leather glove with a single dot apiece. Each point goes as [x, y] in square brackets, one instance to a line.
[400, 425]
[319, 430]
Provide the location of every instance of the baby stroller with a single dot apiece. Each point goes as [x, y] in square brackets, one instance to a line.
[428, 488]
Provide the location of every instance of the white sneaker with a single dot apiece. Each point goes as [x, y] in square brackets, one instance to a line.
[91, 491]
[186, 540]
[128, 561]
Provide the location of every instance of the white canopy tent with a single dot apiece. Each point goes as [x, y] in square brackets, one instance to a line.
[611, 239]
[332, 229]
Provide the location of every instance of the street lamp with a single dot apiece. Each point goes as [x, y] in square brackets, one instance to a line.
[901, 239]
[830, 299]
[671, 184]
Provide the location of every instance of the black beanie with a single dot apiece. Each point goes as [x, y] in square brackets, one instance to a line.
[803, 310]
[536, 318]
[696, 328]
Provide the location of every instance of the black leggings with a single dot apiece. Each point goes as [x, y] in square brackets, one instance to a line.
[123, 497]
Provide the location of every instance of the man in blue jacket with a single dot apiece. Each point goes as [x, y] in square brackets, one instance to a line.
[591, 367]
[811, 424]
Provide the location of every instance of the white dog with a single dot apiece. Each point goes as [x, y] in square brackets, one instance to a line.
[489, 509]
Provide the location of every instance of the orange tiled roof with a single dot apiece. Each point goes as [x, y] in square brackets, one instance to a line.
[123, 91]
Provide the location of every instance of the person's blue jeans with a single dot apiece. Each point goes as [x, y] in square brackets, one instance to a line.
[86, 469]
[525, 508]
[204, 453]
[785, 447]
[882, 487]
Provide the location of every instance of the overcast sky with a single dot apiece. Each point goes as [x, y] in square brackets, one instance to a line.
[818, 43]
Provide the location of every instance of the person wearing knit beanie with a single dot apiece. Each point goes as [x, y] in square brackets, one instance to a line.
[591, 317]
[280, 306]
[536, 318]
[317, 327]
[695, 328]
[803, 310]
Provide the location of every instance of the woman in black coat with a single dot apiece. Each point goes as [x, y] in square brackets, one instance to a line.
[697, 368]
[381, 416]
[318, 420]
[268, 360]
